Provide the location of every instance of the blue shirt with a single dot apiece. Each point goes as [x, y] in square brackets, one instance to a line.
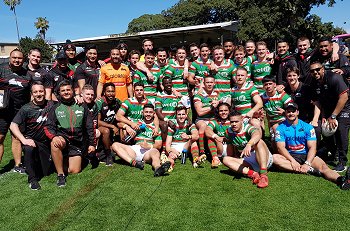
[295, 136]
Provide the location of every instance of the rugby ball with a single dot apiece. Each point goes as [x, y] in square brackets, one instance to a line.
[327, 131]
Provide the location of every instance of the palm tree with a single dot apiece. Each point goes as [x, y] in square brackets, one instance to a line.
[12, 4]
[43, 25]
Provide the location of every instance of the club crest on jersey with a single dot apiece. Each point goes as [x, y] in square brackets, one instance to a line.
[15, 82]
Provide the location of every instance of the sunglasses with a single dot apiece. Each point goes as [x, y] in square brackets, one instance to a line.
[316, 69]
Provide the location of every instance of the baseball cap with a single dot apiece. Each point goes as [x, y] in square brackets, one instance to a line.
[291, 104]
[61, 55]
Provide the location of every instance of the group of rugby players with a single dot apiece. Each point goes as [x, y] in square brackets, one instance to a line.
[183, 104]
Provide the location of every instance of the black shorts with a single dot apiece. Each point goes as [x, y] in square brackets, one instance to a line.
[72, 150]
[5, 121]
[300, 158]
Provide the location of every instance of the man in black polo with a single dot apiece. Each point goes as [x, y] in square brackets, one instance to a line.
[333, 99]
[340, 66]
[33, 67]
[31, 117]
[56, 75]
[88, 72]
[14, 93]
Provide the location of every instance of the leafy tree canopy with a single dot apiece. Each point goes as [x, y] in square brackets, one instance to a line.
[260, 20]
[27, 44]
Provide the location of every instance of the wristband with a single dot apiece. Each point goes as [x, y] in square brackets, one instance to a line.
[166, 119]
[307, 163]
[250, 143]
[214, 136]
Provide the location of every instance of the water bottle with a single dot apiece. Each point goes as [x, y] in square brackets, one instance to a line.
[128, 137]
[183, 156]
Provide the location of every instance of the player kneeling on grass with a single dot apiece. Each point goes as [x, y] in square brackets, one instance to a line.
[296, 143]
[215, 132]
[146, 147]
[248, 153]
[182, 138]
[66, 124]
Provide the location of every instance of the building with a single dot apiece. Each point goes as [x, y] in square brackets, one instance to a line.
[213, 34]
[5, 49]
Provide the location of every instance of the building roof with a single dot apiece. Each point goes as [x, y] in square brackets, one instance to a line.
[229, 26]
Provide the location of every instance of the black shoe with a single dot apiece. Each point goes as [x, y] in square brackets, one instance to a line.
[61, 180]
[19, 169]
[93, 160]
[109, 160]
[346, 182]
[140, 165]
[162, 169]
[340, 168]
[34, 185]
[314, 171]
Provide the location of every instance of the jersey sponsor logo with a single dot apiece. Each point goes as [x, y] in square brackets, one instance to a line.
[110, 112]
[15, 82]
[61, 114]
[299, 147]
[37, 74]
[77, 112]
[56, 78]
[313, 133]
[277, 135]
[41, 119]
[296, 138]
[172, 104]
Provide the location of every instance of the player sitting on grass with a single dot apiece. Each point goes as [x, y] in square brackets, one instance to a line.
[248, 153]
[296, 143]
[215, 132]
[182, 138]
[146, 148]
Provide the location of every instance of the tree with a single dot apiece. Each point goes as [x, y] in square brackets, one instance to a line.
[260, 20]
[42, 25]
[27, 44]
[147, 22]
[12, 4]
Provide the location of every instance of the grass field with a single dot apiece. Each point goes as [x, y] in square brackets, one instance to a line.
[125, 198]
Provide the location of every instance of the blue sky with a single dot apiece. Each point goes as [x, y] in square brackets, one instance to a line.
[80, 19]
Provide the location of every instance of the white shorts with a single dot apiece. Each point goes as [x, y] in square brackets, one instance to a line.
[251, 160]
[178, 146]
[139, 151]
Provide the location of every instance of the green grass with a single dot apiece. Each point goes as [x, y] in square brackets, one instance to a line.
[125, 198]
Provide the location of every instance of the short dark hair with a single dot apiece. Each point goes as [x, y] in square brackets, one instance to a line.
[64, 83]
[134, 52]
[150, 52]
[36, 83]
[107, 85]
[167, 78]
[293, 69]
[234, 113]
[139, 84]
[148, 105]
[325, 39]
[269, 78]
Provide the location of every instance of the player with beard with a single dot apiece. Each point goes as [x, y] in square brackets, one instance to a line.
[36, 146]
[229, 47]
[146, 148]
[182, 137]
[215, 133]
[67, 122]
[56, 75]
[108, 106]
[14, 93]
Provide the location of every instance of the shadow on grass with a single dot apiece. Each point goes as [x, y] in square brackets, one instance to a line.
[8, 167]
[231, 173]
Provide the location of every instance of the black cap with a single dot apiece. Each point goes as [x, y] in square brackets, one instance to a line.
[61, 55]
[122, 45]
[69, 45]
[291, 104]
